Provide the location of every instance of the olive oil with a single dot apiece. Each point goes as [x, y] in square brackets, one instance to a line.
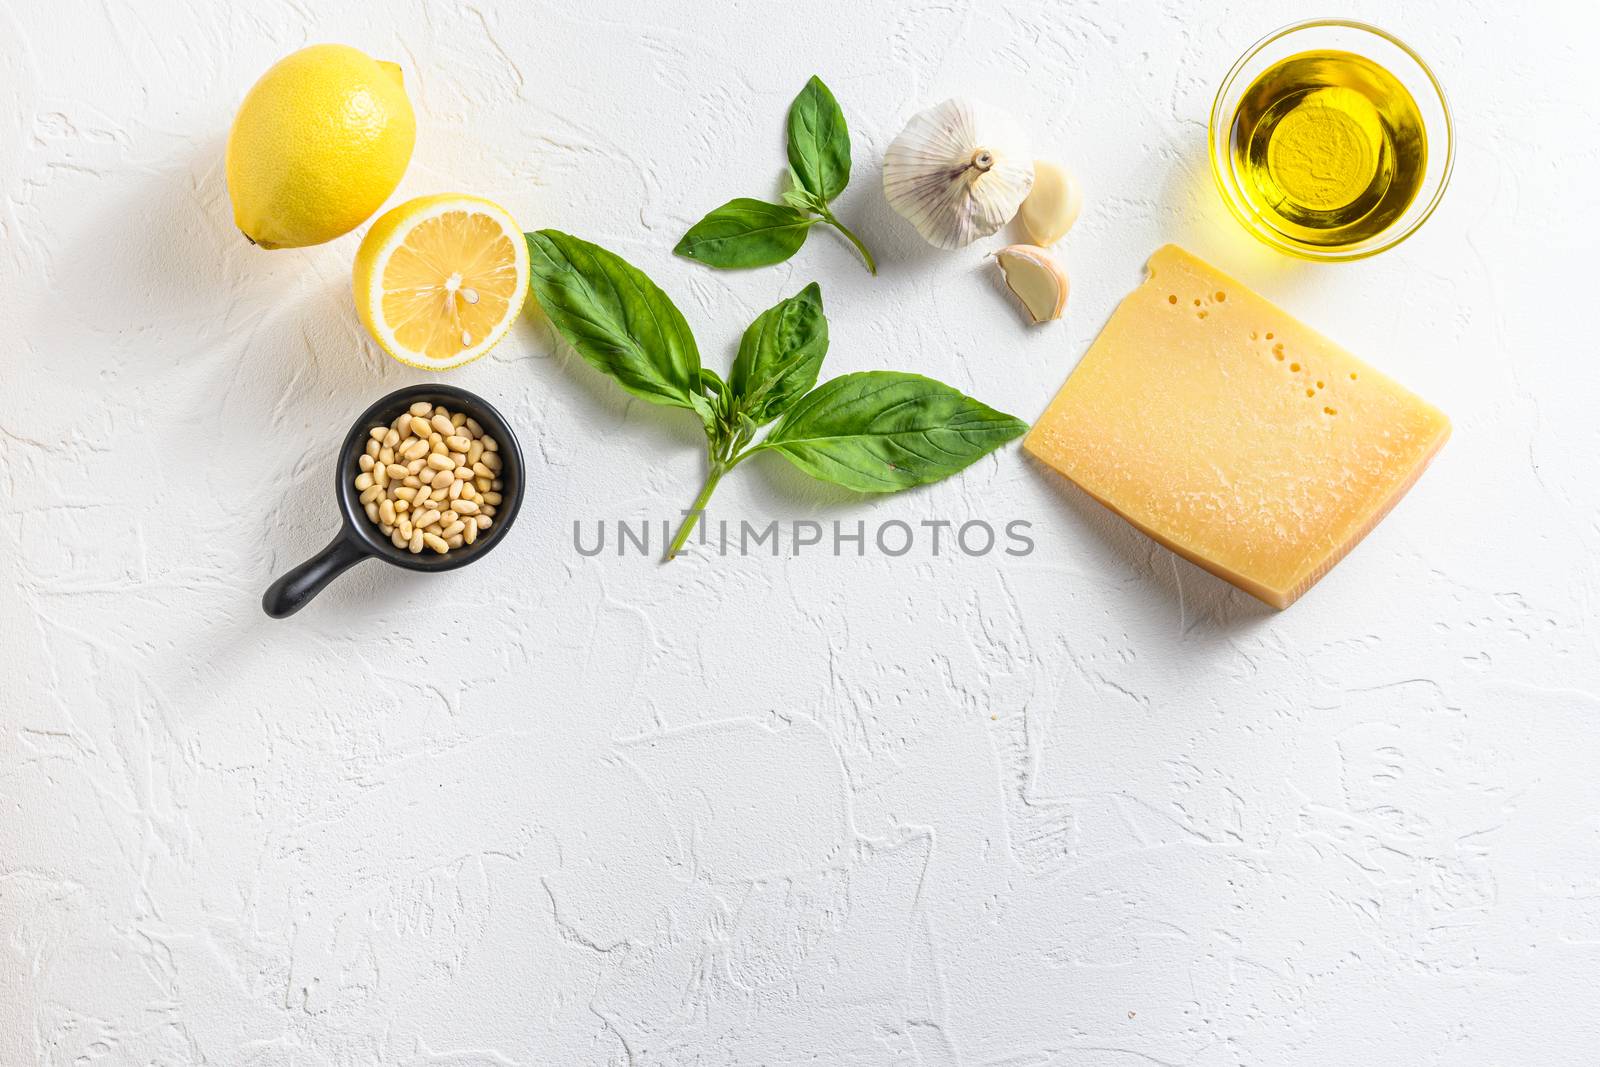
[1328, 148]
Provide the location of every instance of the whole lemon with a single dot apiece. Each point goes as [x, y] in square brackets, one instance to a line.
[317, 146]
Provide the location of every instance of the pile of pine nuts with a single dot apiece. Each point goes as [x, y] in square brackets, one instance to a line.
[430, 479]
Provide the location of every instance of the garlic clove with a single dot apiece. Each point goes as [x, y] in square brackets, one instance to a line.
[1053, 205]
[1035, 277]
[958, 171]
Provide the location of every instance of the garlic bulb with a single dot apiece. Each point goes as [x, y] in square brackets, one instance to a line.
[1036, 279]
[958, 171]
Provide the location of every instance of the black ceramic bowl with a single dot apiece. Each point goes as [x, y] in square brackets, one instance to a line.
[359, 537]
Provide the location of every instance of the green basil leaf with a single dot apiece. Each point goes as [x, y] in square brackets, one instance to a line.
[800, 200]
[746, 233]
[881, 431]
[616, 318]
[712, 385]
[716, 399]
[710, 411]
[819, 141]
[780, 355]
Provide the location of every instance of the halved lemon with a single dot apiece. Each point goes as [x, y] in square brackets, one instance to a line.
[440, 279]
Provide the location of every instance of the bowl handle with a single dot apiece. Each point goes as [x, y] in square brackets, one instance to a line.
[295, 589]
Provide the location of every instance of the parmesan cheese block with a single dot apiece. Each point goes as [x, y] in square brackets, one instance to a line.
[1234, 435]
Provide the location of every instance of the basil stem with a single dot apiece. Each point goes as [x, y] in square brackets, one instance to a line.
[872, 264]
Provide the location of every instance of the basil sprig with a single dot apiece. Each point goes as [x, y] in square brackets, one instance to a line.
[753, 233]
[874, 431]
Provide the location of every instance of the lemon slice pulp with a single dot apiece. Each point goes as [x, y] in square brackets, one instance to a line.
[440, 279]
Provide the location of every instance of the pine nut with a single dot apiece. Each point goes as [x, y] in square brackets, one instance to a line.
[429, 479]
[497, 485]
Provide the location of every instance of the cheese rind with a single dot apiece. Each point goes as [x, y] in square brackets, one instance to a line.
[1233, 434]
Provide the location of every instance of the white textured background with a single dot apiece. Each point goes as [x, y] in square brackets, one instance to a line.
[1091, 807]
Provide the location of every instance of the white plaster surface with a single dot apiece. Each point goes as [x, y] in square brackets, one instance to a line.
[1085, 808]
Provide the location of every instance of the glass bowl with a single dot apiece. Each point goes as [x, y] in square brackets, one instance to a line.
[1388, 52]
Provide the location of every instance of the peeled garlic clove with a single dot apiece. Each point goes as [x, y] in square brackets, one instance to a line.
[1053, 205]
[958, 171]
[1036, 279]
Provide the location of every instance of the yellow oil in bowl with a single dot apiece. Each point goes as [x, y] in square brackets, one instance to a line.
[1328, 148]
